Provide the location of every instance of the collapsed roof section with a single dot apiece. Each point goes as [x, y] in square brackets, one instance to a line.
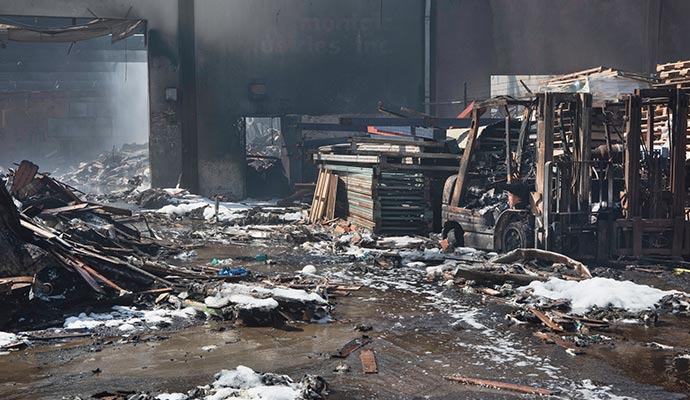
[118, 29]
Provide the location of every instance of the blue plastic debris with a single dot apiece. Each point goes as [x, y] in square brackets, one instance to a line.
[228, 271]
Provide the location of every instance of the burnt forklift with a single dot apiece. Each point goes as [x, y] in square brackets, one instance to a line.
[590, 182]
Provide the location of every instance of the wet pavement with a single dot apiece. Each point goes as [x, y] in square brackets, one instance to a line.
[421, 331]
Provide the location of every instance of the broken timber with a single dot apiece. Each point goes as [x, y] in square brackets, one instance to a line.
[500, 385]
[546, 320]
[351, 346]
[368, 358]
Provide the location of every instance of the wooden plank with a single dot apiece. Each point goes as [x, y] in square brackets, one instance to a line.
[323, 195]
[75, 207]
[347, 158]
[332, 194]
[466, 157]
[405, 142]
[315, 200]
[546, 320]
[500, 385]
[368, 359]
[637, 237]
[550, 337]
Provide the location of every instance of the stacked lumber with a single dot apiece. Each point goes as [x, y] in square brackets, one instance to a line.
[385, 184]
[599, 72]
[404, 154]
[323, 204]
[674, 75]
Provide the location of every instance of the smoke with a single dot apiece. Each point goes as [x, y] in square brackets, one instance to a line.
[129, 104]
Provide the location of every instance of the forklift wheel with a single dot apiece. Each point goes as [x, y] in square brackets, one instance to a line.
[517, 235]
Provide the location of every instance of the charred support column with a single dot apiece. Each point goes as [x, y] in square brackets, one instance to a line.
[585, 179]
[632, 154]
[544, 138]
[187, 94]
[466, 157]
[293, 156]
[678, 152]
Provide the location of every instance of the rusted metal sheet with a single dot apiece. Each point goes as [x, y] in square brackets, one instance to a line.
[351, 346]
[368, 359]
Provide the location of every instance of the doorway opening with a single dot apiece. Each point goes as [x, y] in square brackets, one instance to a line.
[71, 89]
[266, 158]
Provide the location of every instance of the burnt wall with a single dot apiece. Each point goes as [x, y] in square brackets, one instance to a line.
[477, 38]
[300, 56]
[304, 57]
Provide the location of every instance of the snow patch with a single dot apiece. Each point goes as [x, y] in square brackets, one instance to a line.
[249, 296]
[599, 292]
[7, 338]
[172, 396]
[127, 318]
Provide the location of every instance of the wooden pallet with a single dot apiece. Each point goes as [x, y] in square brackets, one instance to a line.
[323, 204]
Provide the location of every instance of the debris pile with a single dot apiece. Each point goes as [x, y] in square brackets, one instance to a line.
[241, 383]
[259, 305]
[123, 169]
[86, 248]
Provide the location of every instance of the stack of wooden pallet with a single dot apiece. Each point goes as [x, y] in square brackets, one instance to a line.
[385, 184]
[674, 75]
[599, 72]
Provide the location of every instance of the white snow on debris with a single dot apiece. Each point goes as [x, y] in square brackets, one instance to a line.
[244, 383]
[127, 318]
[252, 303]
[250, 296]
[227, 211]
[172, 396]
[600, 292]
[181, 209]
[587, 390]
[7, 338]
[400, 242]
[293, 216]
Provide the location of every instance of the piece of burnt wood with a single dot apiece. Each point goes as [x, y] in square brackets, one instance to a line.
[351, 346]
[70, 208]
[368, 359]
[25, 174]
[490, 277]
[546, 320]
[585, 321]
[553, 338]
[466, 157]
[530, 254]
[500, 385]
